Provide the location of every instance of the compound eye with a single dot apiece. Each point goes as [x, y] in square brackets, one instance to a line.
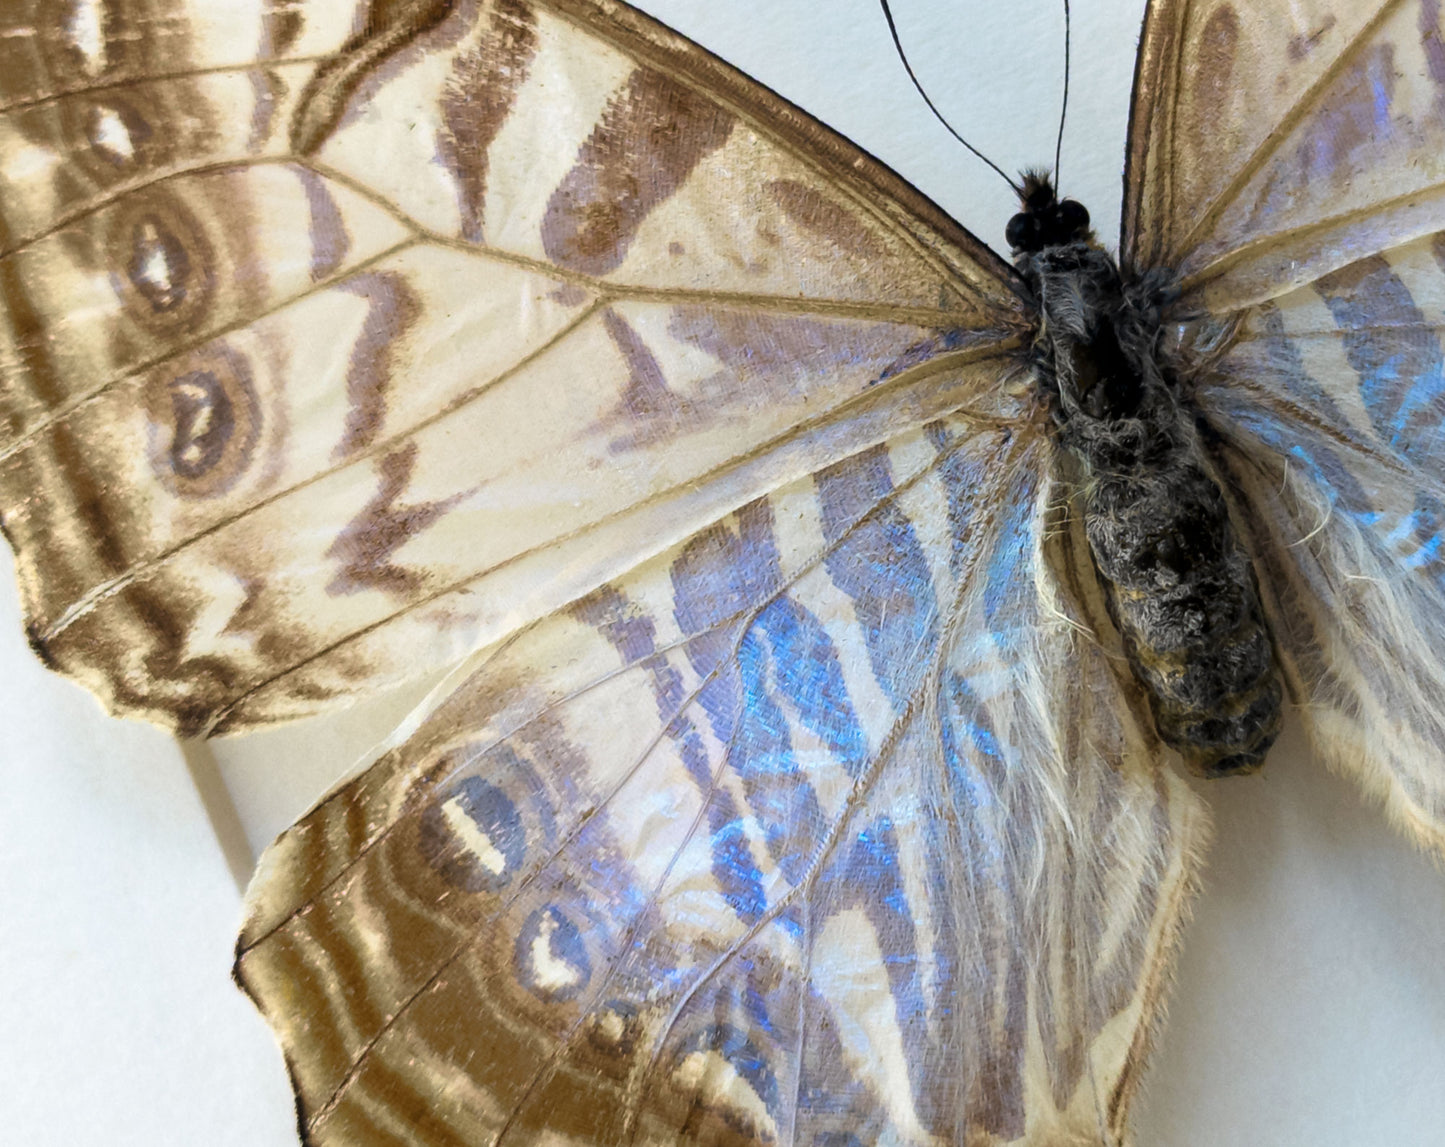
[1073, 217]
[1022, 232]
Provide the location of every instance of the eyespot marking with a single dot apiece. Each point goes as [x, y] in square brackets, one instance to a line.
[165, 263]
[551, 957]
[474, 837]
[204, 424]
[614, 1028]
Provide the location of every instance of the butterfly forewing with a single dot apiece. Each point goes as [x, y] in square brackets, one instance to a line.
[764, 842]
[308, 423]
[1273, 143]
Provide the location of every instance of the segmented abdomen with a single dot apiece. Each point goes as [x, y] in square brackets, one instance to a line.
[1183, 595]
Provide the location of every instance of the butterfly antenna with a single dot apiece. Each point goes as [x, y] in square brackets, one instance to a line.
[1063, 111]
[938, 115]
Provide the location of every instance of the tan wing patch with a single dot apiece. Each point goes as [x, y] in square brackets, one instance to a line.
[60, 49]
[628, 188]
[306, 422]
[1275, 143]
[772, 840]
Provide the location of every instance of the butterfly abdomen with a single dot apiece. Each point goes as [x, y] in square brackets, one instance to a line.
[1179, 587]
[1183, 595]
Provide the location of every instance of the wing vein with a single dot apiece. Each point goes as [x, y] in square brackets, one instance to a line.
[114, 585]
[1282, 129]
[683, 706]
[861, 787]
[788, 304]
[48, 420]
[793, 433]
[1222, 264]
[166, 77]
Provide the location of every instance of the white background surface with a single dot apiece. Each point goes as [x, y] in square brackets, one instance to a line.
[1310, 1003]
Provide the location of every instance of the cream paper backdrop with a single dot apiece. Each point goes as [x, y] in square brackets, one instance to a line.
[1309, 1009]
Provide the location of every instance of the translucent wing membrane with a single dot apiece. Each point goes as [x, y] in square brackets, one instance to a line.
[338, 342]
[793, 796]
[1332, 400]
[1274, 143]
[1288, 161]
[832, 825]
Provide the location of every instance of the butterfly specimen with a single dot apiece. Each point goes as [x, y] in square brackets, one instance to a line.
[793, 783]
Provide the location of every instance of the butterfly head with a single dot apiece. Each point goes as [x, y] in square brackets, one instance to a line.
[1046, 220]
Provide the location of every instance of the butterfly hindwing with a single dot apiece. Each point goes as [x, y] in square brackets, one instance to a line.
[306, 423]
[1332, 401]
[783, 837]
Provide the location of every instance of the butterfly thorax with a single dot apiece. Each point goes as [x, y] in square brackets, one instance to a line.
[1178, 585]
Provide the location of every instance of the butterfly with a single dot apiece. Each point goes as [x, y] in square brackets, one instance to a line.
[490, 808]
